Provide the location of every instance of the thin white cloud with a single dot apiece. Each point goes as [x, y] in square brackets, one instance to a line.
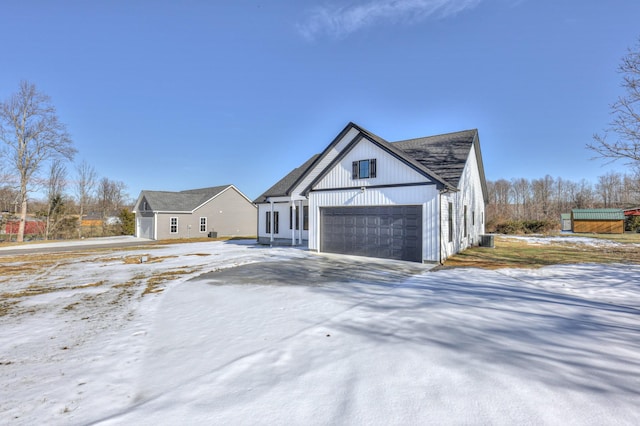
[338, 21]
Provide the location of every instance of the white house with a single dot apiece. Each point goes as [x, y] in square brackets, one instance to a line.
[420, 199]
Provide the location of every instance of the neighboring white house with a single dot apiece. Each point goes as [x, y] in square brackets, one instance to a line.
[420, 200]
[216, 211]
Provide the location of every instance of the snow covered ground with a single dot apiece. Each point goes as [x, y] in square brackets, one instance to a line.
[291, 337]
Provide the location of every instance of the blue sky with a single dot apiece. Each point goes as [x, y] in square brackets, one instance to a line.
[173, 95]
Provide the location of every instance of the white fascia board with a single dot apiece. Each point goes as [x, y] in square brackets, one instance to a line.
[285, 199]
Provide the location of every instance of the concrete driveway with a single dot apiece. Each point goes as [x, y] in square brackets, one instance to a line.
[318, 270]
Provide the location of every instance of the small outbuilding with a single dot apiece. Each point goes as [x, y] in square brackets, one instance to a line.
[597, 221]
[565, 222]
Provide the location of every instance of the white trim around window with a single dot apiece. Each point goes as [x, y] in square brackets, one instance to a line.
[203, 224]
[173, 225]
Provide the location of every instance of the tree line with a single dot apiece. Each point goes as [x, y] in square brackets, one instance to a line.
[545, 199]
[35, 153]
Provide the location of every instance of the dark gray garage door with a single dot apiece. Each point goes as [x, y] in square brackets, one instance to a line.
[390, 232]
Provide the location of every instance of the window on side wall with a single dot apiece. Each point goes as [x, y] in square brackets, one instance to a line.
[294, 217]
[268, 223]
[203, 224]
[305, 218]
[173, 225]
[276, 224]
[364, 169]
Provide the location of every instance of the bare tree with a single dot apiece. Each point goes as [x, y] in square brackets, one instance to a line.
[85, 186]
[521, 196]
[542, 190]
[583, 197]
[32, 134]
[626, 116]
[110, 197]
[609, 188]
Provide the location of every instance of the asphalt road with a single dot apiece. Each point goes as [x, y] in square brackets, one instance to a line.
[75, 245]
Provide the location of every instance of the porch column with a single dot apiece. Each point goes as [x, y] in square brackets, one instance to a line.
[272, 224]
[300, 221]
[293, 224]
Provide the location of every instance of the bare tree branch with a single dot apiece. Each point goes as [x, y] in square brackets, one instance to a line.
[626, 112]
[32, 134]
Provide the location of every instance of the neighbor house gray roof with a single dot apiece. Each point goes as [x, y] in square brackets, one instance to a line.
[183, 201]
[284, 186]
[597, 214]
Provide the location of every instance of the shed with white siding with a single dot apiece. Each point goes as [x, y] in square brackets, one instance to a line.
[420, 200]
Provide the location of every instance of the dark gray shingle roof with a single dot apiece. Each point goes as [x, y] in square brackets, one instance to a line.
[445, 154]
[443, 157]
[183, 201]
[285, 185]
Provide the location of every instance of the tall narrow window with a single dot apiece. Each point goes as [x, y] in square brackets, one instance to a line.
[450, 222]
[276, 222]
[466, 229]
[294, 217]
[305, 218]
[173, 225]
[203, 224]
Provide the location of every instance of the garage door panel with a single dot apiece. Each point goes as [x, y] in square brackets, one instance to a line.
[393, 232]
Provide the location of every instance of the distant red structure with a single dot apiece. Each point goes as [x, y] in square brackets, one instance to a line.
[632, 212]
[31, 227]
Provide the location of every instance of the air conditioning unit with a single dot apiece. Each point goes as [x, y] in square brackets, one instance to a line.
[487, 241]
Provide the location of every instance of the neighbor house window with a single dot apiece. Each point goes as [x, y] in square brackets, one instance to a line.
[450, 222]
[363, 169]
[203, 224]
[276, 220]
[173, 225]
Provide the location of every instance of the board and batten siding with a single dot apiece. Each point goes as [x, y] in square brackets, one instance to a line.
[390, 170]
[470, 195]
[325, 161]
[424, 195]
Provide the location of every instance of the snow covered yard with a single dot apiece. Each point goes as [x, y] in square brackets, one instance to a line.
[290, 337]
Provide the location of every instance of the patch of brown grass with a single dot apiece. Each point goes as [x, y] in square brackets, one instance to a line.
[515, 253]
[154, 282]
[37, 290]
